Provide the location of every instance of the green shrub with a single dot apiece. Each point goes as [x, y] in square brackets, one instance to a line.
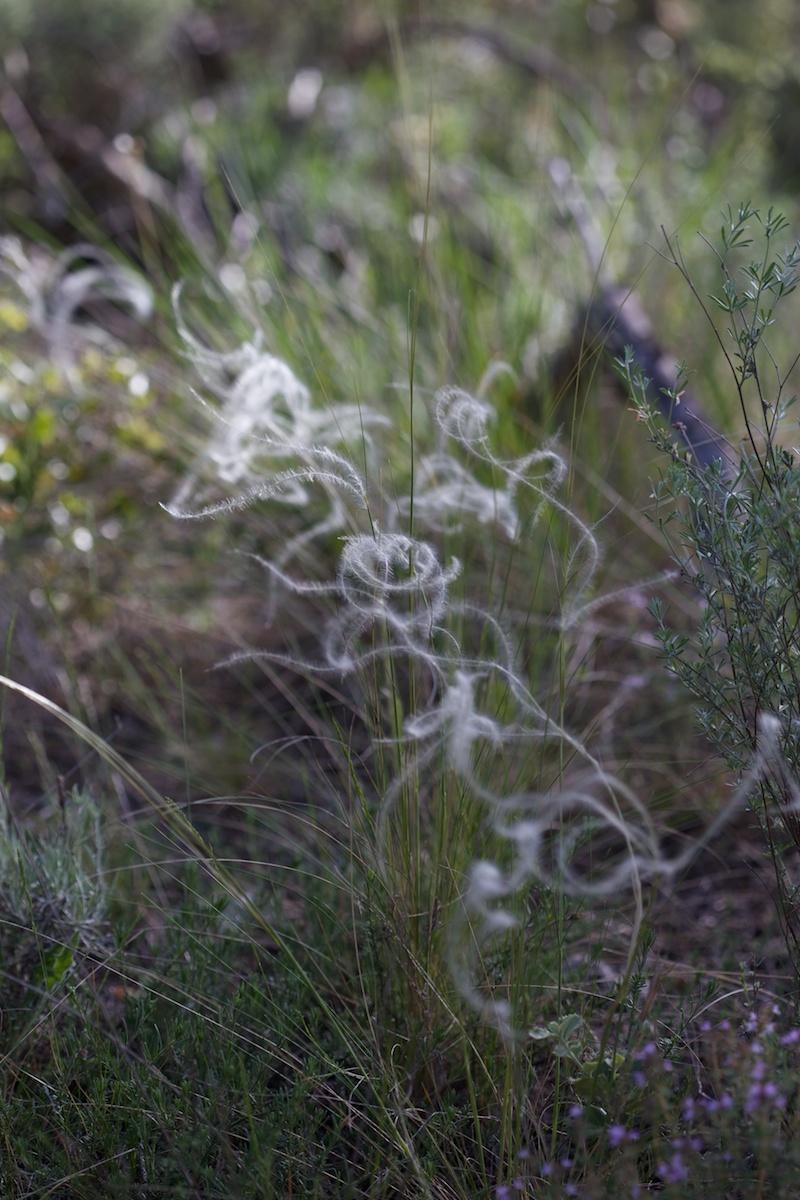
[734, 529]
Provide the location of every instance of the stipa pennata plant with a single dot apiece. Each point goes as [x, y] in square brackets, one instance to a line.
[435, 669]
[429, 653]
[471, 800]
[735, 531]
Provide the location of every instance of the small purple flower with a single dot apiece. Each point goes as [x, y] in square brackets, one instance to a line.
[617, 1134]
[791, 1038]
[763, 1093]
[689, 1109]
[675, 1171]
[712, 1105]
[576, 1111]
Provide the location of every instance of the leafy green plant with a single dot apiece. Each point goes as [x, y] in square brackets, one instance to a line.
[711, 1115]
[734, 530]
[52, 912]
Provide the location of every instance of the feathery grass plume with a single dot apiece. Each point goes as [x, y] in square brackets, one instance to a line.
[56, 288]
[266, 413]
[544, 839]
[446, 493]
[464, 420]
[267, 417]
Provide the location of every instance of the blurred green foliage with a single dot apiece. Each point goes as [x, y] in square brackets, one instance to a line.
[77, 47]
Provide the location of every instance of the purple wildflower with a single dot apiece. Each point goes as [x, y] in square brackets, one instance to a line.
[712, 1105]
[763, 1093]
[617, 1134]
[675, 1171]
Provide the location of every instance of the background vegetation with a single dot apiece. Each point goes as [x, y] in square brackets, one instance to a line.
[252, 942]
